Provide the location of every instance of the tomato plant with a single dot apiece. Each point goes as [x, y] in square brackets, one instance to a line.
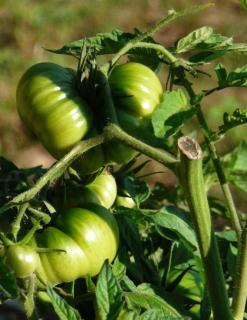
[128, 241]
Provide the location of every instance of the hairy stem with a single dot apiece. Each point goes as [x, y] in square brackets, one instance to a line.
[240, 285]
[171, 17]
[111, 131]
[114, 132]
[16, 225]
[55, 172]
[235, 221]
[191, 178]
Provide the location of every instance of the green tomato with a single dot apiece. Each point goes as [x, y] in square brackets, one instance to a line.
[102, 190]
[22, 259]
[50, 105]
[136, 92]
[79, 243]
[126, 202]
[135, 88]
[105, 188]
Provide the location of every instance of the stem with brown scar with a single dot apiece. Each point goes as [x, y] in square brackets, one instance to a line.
[191, 178]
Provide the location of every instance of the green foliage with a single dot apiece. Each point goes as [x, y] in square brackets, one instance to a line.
[171, 114]
[108, 294]
[8, 285]
[102, 43]
[61, 307]
[159, 270]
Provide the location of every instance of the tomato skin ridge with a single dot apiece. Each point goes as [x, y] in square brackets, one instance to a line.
[136, 92]
[51, 107]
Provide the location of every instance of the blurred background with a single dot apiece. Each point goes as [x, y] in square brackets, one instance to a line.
[26, 26]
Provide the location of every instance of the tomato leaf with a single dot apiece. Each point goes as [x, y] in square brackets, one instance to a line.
[104, 43]
[8, 286]
[136, 188]
[147, 300]
[155, 314]
[108, 294]
[174, 220]
[119, 269]
[193, 38]
[235, 78]
[170, 114]
[61, 307]
[237, 118]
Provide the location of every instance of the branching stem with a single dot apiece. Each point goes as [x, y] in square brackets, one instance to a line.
[235, 221]
[111, 132]
[190, 175]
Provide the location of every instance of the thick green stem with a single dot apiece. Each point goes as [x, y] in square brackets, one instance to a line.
[114, 132]
[240, 285]
[191, 178]
[29, 303]
[16, 225]
[235, 221]
[55, 172]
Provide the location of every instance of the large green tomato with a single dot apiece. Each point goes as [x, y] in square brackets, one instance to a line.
[50, 105]
[22, 259]
[79, 243]
[136, 92]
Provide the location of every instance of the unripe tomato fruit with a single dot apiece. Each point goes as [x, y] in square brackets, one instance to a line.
[136, 92]
[102, 190]
[136, 89]
[50, 105]
[22, 259]
[124, 201]
[80, 242]
[105, 188]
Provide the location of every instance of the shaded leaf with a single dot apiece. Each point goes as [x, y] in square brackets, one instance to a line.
[136, 188]
[174, 220]
[167, 113]
[104, 43]
[237, 118]
[151, 301]
[108, 294]
[61, 307]
[8, 286]
[193, 38]
[156, 314]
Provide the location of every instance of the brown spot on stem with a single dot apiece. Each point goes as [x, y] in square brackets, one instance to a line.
[190, 148]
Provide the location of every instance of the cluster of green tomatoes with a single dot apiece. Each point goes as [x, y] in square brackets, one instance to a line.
[85, 234]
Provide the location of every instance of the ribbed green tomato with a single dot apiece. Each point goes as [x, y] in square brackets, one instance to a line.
[105, 188]
[22, 259]
[50, 105]
[136, 92]
[85, 237]
[102, 190]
